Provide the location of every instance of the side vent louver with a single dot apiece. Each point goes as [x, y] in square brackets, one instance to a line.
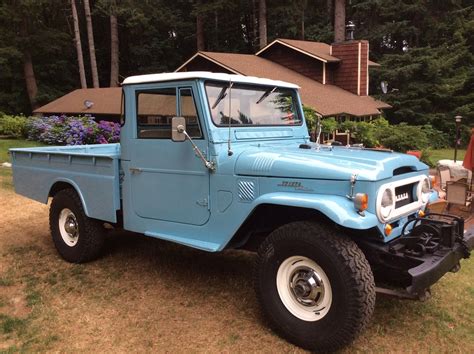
[246, 190]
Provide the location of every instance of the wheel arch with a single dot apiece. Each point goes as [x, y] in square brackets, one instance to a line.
[267, 217]
[63, 183]
[278, 209]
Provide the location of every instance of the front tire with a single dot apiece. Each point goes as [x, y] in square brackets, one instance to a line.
[77, 237]
[314, 285]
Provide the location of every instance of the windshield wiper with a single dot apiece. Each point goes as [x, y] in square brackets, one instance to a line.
[222, 95]
[266, 94]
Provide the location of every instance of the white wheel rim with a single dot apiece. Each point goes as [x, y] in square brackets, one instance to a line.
[68, 227]
[304, 288]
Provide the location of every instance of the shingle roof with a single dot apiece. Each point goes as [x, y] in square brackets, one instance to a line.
[321, 51]
[326, 99]
[316, 49]
[106, 101]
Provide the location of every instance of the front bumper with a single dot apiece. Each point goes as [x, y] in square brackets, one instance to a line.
[418, 259]
[439, 263]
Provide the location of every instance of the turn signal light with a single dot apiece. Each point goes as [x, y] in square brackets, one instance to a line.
[361, 201]
[421, 213]
[388, 229]
[433, 181]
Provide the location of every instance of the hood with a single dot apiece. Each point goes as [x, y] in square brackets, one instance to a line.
[338, 163]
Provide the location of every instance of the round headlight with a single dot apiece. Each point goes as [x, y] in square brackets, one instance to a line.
[425, 190]
[387, 203]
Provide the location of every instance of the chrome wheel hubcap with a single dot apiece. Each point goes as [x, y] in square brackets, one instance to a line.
[304, 288]
[307, 286]
[68, 227]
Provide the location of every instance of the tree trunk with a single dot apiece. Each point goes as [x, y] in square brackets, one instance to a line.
[90, 37]
[303, 9]
[114, 51]
[216, 30]
[29, 73]
[254, 25]
[77, 40]
[200, 44]
[339, 20]
[262, 22]
[30, 78]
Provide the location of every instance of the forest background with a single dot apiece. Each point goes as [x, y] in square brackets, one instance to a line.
[425, 47]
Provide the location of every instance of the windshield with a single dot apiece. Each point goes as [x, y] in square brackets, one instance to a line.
[252, 105]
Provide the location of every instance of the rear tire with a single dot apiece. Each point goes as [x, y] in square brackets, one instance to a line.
[314, 285]
[77, 237]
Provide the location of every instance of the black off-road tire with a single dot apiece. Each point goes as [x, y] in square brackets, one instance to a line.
[350, 278]
[91, 233]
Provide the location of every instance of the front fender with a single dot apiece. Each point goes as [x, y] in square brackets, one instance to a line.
[339, 209]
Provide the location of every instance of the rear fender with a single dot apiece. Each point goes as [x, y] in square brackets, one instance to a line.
[72, 184]
[93, 205]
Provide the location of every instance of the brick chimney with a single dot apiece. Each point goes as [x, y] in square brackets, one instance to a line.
[352, 72]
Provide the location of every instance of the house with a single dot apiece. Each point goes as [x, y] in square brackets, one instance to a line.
[334, 79]
[102, 103]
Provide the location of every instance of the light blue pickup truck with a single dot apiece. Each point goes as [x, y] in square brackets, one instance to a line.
[218, 161]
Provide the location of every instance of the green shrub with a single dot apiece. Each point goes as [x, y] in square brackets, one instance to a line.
[403, 137]
[426, 158]
[437, 139]
[13, 126]
[366, 133]
[311, 118]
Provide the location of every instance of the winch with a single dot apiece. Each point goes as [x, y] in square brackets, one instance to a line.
[431, 233]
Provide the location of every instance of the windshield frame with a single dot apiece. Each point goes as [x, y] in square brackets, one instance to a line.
[294, 94]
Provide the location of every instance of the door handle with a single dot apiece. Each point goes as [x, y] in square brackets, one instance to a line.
[135, 169]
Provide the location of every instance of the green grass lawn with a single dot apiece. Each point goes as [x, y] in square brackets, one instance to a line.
[6, 144]
[446, 154]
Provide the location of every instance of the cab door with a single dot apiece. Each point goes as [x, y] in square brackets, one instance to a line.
[168, 181]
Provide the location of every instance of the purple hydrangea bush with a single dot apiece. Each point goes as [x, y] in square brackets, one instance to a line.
[64, 130]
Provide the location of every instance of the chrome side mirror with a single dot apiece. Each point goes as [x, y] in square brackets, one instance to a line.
[178, 133]
[178, 129]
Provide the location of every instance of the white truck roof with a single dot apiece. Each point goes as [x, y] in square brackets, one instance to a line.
[141, 79]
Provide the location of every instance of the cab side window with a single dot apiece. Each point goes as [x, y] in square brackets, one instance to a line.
[155, 109]
[187, 110]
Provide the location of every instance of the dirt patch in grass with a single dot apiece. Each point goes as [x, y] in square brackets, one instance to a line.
[13, 302]
[148, 295]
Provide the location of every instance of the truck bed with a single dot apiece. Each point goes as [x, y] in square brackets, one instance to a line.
[93, 170]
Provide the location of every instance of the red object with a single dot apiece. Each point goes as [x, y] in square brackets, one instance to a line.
[468, 161]
[416, 153]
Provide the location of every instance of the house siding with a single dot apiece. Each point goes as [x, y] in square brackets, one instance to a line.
[295, 61]
[351, 73]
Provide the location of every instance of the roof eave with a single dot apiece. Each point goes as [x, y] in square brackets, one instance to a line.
[278, 41]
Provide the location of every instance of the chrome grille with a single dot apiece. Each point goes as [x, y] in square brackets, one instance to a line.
[404, 195]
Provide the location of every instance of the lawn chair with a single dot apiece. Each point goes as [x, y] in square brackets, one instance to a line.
[444, 178]
[458, 193]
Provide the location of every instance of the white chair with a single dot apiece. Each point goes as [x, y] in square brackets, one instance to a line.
[444, 177]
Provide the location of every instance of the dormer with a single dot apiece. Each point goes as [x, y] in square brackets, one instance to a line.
[311, 59]
[345, 64]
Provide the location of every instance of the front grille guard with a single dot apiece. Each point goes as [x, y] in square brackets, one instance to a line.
[432, 232]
